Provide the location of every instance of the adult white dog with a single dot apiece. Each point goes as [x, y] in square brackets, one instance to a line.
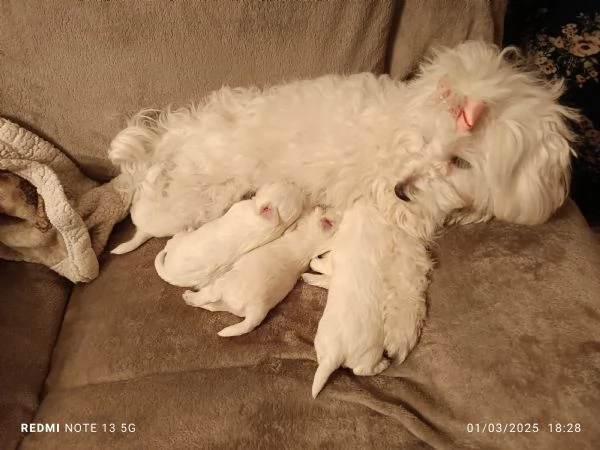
[471, 138]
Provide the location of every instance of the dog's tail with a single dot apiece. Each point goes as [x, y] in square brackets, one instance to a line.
[159, 265]
[251, 321]
[138, 239]
[326, 367]
[133, 148]
[161, 270]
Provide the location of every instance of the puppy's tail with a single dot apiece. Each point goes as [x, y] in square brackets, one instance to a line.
[326, 367]
[133, 148]
[159, 265]
[250, 322]
[138, 239]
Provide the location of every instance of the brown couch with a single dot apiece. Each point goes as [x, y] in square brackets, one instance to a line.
[513, 333]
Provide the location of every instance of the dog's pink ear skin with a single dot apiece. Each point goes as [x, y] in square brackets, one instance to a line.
[469, 114]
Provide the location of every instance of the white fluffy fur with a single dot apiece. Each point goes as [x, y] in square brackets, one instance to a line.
[345, 139]
[351, 332]
[195, 258]
[403, 275]
[262, 278]
[322, 266]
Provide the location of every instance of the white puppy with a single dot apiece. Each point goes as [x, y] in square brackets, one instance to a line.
[194, 258]
[400, 272]
[262, 278]
[351, 332]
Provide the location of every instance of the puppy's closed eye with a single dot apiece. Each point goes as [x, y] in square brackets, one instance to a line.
[460, 163]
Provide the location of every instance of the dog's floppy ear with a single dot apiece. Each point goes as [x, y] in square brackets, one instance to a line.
[468, 114]
[531, 181]
[468, 110]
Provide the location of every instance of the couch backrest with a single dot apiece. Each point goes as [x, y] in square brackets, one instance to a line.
[73, 71]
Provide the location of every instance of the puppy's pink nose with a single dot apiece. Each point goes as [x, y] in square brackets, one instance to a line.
[399, 191]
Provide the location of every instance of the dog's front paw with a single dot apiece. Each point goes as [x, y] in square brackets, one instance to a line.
[401, 337]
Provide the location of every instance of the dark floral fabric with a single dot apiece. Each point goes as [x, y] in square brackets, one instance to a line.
[575, 50]
[562, 39]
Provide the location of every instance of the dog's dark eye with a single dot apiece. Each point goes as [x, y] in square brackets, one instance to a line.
[399, 191]
[460, 163]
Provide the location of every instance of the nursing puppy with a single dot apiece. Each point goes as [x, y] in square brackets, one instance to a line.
[351, 331]
[262, 278]
[195, 258]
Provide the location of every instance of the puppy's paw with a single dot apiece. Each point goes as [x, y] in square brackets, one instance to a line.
[216, 306]
[189, 297]
[322, 264]
[401, 338]
[200, 298]
[369, 370]
[315, 279]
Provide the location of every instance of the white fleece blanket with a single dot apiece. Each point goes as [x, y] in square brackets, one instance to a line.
[82, 210]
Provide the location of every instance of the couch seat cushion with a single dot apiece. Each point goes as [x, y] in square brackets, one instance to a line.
[512, 336]
[32, 303]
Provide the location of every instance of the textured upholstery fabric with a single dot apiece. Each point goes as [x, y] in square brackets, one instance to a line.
[512, 337]
[73, 71]
[512, 333]
[32, 302]
[423, 24]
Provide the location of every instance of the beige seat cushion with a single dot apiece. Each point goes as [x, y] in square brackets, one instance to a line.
[32, 302]
[512, 336]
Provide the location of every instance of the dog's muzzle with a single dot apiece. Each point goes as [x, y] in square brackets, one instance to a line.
[399, 191]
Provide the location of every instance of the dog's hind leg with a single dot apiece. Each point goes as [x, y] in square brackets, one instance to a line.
[217, 306]
[253, 319]
[138, 239]
[201, 298]
[369, 370]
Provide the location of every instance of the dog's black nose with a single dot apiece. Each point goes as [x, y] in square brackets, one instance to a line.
[399, 191]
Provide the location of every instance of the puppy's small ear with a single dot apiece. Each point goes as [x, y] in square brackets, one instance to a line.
[327, 223]
[267, 211]
[469, 114]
